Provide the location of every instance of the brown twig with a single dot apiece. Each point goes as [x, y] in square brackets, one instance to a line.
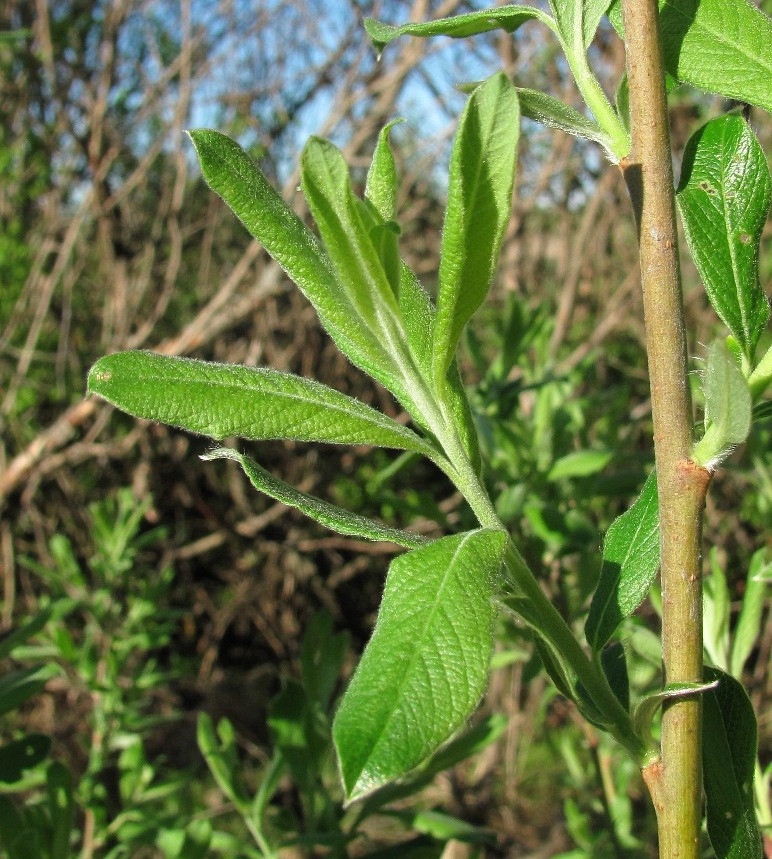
[676, 781]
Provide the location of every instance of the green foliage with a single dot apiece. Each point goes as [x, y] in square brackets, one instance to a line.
[222, 400]
[720, 46]
[335, 518]
[723, 196]
[39, 828]
[727, 407]
[630, 562]
[426, 665]
[482, 172]
[434, 632]
[118, 621]
[729, 758]
[299, 718]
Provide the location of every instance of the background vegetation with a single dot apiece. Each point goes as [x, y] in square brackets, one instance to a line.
[173, 589]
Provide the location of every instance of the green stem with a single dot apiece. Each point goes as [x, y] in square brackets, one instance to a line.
[556, 631]
[596, 100]
[551, 625]
[675, 782]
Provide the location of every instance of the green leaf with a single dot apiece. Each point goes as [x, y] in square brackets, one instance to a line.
[332, 517]
[418, 314]
[425, 666]
[727, 407]
[578, 20]
[643, 713]
[61, 803]
[296, 733]
[723, 196]
[230, 172]
[219, 750]
[327, 189]
[14, 637]
[630, 562]
[748, 629]
[508, 18]
[322, 652]
[614, 665]
[580, 463]
[761, 376]
[482, 172]
[223, 400]
[17, 686]
[445, 827]
[721, 46]
[21, 755]
[459, 749]
[729, 757]
[555, 114]
[381, 184]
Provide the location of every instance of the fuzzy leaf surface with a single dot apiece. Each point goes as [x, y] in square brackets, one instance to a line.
[630, 562]
[729, 756]
[508, 18]
[728, 407]
[721, 46]
[381, 184]
[222, 400]
[332, 517]
[761, 375]
[549, 111]
[327, 189]
[231, 173]
[723, 196]
[578, 20]
[482, 173]
[425, 667]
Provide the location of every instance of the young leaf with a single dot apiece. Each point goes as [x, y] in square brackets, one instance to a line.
[729, 757]
[761, 376]
[721, 46]
[381, 184]
[230, 172]
[332, 517]
[327, 189]
[222, 400]
[418, 315]
[425, 666]
[482, 172]
[507, 18]
[630, 562]
[555, 114]
[727, 407]
[723, 197]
